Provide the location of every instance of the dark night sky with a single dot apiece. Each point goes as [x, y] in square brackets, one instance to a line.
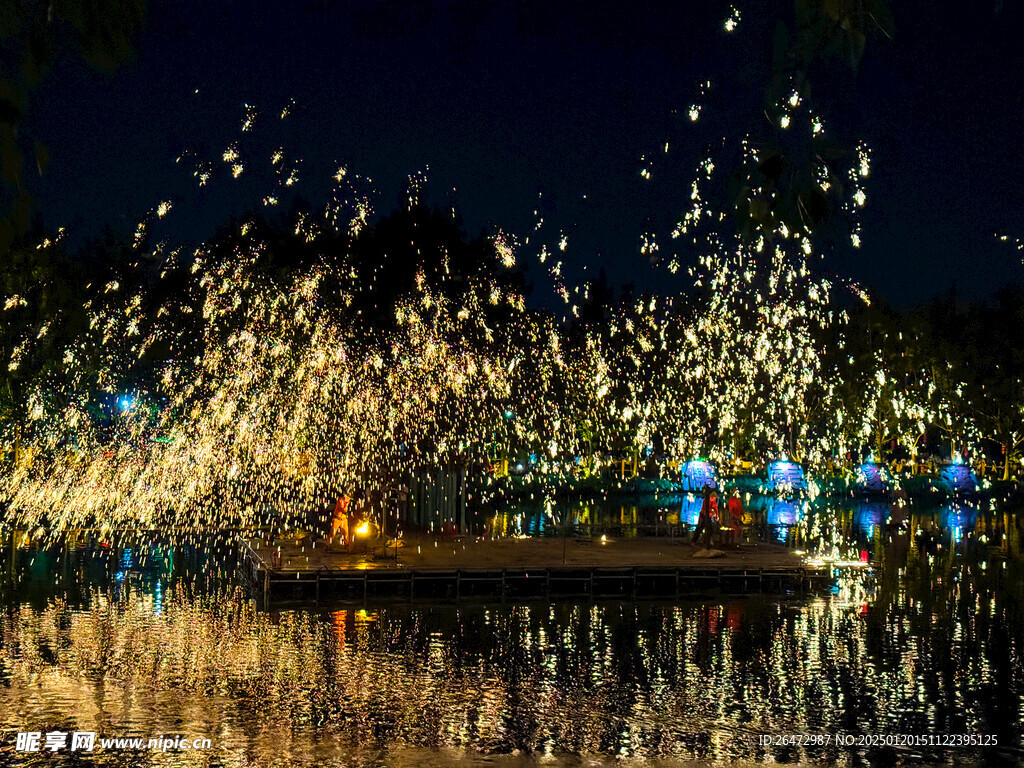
[555, 98]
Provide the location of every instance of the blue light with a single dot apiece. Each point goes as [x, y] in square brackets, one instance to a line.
[782, 513]
[958, 518]
[698, 474]
[124, 566]
[785, 475]
[127, 402]
[958, 478]
[869, 516]
[689, 512]
[872, 476]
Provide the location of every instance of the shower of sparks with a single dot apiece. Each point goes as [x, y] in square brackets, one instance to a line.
[733, 20]
[203, 172]
[272, 399]
[416, 185]
[249, 119]
[863, 160]
[505, 247]
[1017, 242]
[273, 392]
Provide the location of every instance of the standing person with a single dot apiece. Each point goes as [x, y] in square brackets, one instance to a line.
[708, 513]
[735, 507]
[339, 521]
[716, 519]
[703, 515]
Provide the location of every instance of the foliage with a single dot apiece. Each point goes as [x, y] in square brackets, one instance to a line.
[34, 34]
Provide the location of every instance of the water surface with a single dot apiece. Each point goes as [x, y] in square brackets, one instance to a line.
[927, 641]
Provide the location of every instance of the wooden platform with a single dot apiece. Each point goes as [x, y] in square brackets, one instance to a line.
[433, 568]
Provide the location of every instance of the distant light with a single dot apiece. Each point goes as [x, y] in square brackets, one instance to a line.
[126, 403]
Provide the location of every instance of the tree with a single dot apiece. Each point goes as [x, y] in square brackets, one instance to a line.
[993, 373]
[33, 36]
[885, 382]
[791, 173]
[41, 305]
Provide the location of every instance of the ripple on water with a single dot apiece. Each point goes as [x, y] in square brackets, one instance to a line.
[574, 684]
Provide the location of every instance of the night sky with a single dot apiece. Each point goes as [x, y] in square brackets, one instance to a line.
[544, 106]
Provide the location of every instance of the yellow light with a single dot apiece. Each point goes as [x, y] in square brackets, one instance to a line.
[363, 529]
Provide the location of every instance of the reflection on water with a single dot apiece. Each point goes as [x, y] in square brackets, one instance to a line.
[928, 642]
[782, 511]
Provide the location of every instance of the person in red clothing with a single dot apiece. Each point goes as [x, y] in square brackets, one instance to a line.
[735, 509]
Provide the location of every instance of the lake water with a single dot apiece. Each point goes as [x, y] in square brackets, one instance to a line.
[927, 643]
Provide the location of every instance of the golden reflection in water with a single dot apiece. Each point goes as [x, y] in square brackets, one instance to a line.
[692, 680]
